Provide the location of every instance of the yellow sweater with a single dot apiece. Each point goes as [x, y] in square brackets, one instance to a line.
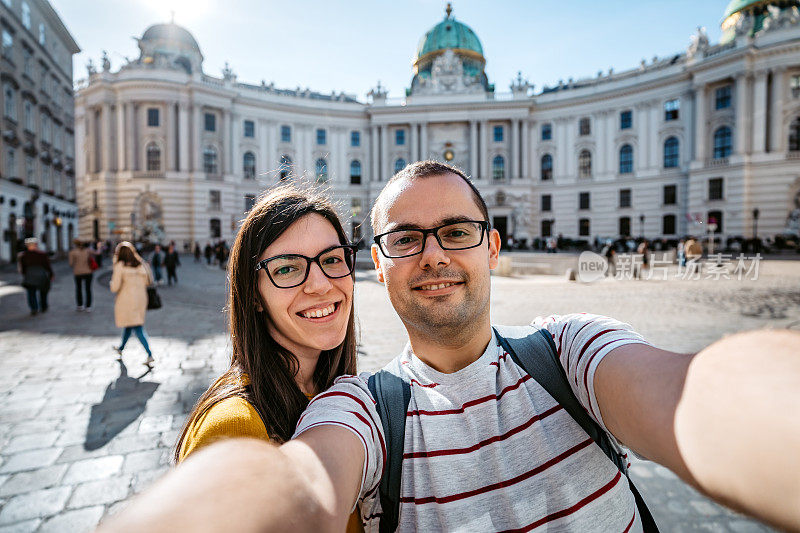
[235, 417]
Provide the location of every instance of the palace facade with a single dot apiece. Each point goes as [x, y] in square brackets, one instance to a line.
[708, 135]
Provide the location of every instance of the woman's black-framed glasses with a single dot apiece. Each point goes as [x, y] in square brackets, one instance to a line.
[290, 270]
[455, 236]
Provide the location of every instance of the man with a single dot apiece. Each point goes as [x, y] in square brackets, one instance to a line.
[79, 260]
[172, 262]
[157, 260]
[37, 274]
[486, 448]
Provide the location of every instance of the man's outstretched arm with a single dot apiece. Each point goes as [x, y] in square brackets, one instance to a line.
[724, 420]
[308, 484]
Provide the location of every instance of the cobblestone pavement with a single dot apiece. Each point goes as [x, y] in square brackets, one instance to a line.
[81, 433]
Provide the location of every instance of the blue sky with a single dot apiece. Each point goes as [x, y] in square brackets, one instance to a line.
[348, 46]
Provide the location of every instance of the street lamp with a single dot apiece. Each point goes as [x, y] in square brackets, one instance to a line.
[641, 225]
[756, 212]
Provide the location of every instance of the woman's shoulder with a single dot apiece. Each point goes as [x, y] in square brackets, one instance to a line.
[231, 417]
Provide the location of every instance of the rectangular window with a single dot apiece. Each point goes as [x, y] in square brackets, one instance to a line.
[715, 189]
[26, 15]
[400, 137]
[624, 226]
[214, 200]
[152, 117]
[215, 228]
[584, 227]
[27, 61]
[626, 120]
[249, 128]
[584, 200]
[27, 108]
[355, 138]
[547, 228]
[498, 134]
[672, 109]
[624, 197]
[322, 137]
[249, 202]
[794, 83]
[8, 44]
[670, 194]
[11, 163]
[30, 171]
[286, 134]
[547, 202]
[668, 225]
[722, 97]
[42, 38]
[585, 126]
[547, 132]
[210, 122]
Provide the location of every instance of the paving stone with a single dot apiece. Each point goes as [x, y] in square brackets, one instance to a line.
[91, 469]
[37, 504]
[144, 479]
[30, 442]
[145, 460]
[30, 460]
[155, 424]
[100, 492]
[28, 526]
[79, 453]
[134, 443]
[41, 478]
[78, 521]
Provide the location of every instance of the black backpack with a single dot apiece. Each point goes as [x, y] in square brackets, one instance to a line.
[533, 352]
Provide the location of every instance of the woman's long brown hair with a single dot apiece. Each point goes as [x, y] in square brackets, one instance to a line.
[271, 369]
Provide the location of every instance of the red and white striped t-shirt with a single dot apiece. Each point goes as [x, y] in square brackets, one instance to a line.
[487, 448]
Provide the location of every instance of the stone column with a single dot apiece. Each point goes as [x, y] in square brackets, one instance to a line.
[563, 150]
[270, 156]
[655, 145]
[641, 154]
[689, 141]
[424, 150]
[130, 135]
[525, 149]
[760, 112]
[776, 134]
[105, 138]
[599, 163]
[183, 137]
[514, 149]
[740, 136]
[169, 146]
[227, 149]
[385, 171]
[374, 157]
[414, 140]
[483, 150]
[197, 137]
[701, 136]
[121, 162]
[473, 148]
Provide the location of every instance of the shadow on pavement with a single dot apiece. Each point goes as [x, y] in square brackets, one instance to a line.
[123, 402]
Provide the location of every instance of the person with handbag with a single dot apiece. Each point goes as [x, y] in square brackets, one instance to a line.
[37, 274]
[83, 263]
[130, 280]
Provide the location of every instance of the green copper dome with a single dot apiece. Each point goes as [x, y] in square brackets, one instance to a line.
[738, 5]
[449, 33]
[757, 9]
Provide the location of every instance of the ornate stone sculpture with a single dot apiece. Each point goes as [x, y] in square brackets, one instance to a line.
[780, 17]
[447, 76]
[698, 43]
[105, 62]
[90, 68]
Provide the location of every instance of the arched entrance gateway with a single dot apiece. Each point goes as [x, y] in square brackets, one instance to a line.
[148, 218]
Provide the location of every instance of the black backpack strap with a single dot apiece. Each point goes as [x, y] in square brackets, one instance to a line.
[536, 354]
[392, 395]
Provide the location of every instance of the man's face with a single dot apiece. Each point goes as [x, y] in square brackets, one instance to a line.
[449, 312]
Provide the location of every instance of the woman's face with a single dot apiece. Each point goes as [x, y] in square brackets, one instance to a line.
[292, 321]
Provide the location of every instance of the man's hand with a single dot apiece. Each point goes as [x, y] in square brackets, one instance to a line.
[724, 420]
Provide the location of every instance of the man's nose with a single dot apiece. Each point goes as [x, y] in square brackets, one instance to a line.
[433, 255]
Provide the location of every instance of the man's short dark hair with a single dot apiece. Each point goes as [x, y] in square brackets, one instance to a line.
[427, 169]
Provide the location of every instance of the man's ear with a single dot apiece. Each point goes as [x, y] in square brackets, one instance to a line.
[494, 249]
[376, 259]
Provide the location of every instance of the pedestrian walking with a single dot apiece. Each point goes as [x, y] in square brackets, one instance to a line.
[156, 262]
[208, 252]
[682, 253]
[83, 262]
[37, 275]
[129, 280]
[644, 251]
[610, 254]
[222, 254]
[172, 262]
[197, 252]
[98, 252]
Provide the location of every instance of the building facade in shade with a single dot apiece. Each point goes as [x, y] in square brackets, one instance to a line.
[37, 159]
[711, 134]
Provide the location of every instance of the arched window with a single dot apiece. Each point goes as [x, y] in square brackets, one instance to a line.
[585, 164]
[626, 159]
[722, 142]
[285, 167]
[355, 172]
[153, 157]
[498, 167]
[249, 165]
[321, 170]
[210, 160]
[399, 165]
[671, 152]
[794, 135]
[547, 167]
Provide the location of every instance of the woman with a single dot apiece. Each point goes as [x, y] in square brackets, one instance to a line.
[291, 321]
[129, 279]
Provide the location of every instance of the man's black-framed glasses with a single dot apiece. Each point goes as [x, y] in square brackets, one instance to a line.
[455, 236]
[290, 270]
